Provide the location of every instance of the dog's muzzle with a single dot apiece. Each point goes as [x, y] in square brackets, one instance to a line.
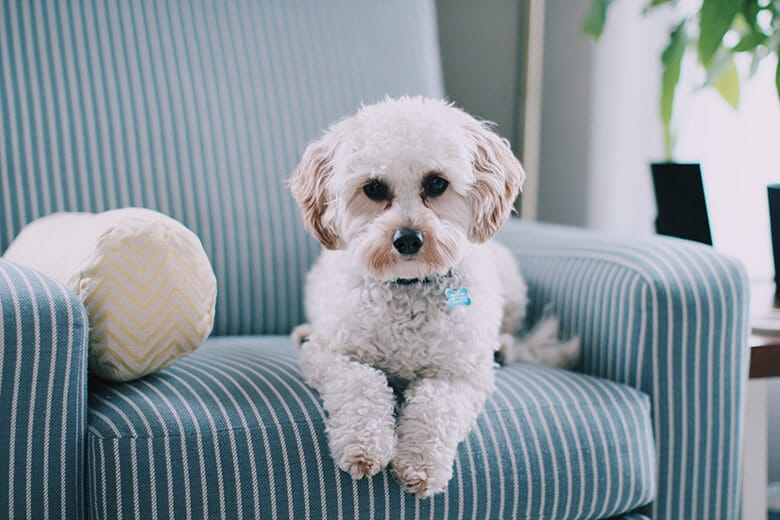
[408, 241]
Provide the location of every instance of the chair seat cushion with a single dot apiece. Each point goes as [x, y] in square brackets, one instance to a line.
[233, 431]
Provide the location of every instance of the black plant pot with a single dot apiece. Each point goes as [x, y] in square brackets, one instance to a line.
[679, 195]
[773, 192]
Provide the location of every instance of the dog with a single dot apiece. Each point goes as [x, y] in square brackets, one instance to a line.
[411, 299]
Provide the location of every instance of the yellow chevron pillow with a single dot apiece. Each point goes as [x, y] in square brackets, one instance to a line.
[144, 279]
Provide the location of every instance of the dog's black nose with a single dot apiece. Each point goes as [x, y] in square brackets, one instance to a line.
[408, 241]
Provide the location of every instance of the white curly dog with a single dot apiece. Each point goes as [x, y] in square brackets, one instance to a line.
[410, 295]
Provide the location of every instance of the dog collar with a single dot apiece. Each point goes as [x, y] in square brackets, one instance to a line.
[455, 297]
[427, 279]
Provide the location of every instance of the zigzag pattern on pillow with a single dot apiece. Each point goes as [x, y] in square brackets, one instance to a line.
[150, 295]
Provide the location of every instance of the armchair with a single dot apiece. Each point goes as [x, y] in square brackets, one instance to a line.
[200, 110]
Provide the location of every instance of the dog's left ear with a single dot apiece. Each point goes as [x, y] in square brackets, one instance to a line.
[498, 180]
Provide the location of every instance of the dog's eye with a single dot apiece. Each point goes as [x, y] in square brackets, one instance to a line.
[433, 185]
[376, 190]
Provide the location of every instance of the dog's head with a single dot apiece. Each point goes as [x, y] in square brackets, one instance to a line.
[405, 184]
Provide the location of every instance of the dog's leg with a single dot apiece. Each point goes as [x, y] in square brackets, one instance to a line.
[360, 404]
[436, 416]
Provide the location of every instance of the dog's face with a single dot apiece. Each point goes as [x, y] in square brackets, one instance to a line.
[405, 184]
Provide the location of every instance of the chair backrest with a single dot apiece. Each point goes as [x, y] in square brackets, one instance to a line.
[200, 110]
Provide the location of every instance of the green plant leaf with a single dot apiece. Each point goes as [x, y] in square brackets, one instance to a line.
[595, 18]
[750, 9]
[653, 4]
[715, 20]
[741, 23]
[750, 41]
[720, 62]
[727, 84]
[671, 60]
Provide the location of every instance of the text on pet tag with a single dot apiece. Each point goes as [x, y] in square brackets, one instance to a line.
[459, 297]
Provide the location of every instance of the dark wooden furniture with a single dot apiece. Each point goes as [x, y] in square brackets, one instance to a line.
[764, 349]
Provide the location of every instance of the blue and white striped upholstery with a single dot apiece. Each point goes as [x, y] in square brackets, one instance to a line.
[233, 431]
[670, 318]
[43, 398]
[199, 110]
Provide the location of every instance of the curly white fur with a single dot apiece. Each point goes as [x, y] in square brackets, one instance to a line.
[372, 330]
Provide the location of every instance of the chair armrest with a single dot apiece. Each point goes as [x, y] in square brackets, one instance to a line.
[666, 316]
[43, 398]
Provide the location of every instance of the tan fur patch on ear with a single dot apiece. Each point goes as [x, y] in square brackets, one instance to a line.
[498, 179]
[309, 187]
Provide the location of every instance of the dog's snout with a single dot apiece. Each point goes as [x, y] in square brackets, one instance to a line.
[407, 241]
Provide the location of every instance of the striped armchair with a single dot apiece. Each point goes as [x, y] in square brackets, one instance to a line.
[200, 110]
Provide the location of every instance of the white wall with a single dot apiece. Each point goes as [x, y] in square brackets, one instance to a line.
[600, 128]
[481, 59]
[740, 155]
[600, 131]
[566, 115]
[625, 130]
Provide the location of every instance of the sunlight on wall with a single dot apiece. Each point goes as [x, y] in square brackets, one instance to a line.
[739, 150]
[625, 130]
[740, 154]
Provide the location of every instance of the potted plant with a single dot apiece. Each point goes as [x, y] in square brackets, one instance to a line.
[718, 31]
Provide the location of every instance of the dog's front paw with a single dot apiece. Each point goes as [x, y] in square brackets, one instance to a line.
[362, 459]
[420, 476]
[364, 455]
[360, 462]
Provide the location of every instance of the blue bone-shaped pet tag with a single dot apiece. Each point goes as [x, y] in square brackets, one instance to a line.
[459, 297]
